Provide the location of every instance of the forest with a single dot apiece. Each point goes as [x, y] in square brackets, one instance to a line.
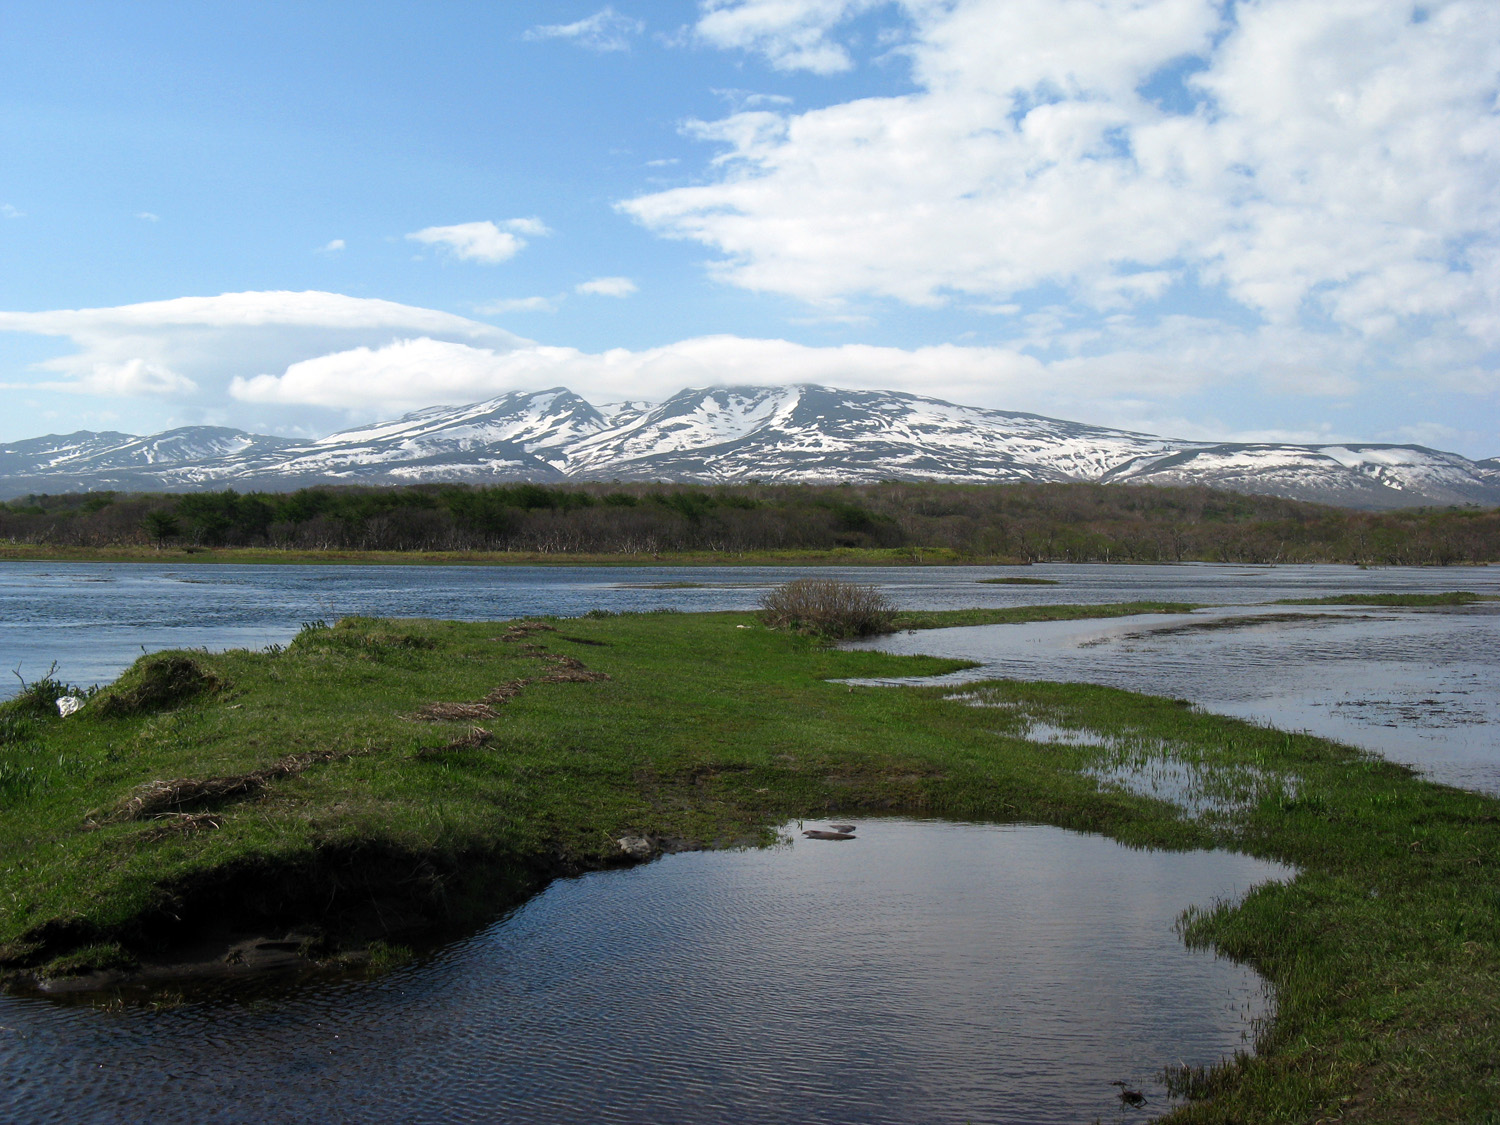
[1012, 522]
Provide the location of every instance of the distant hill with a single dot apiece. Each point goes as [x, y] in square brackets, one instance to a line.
[735, 434]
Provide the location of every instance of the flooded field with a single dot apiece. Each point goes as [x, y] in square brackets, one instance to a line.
[1420, 686]
[921, 972]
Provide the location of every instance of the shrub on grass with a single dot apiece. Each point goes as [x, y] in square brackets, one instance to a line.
[827, 607]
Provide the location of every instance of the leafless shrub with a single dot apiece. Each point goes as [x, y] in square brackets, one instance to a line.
[827, 607]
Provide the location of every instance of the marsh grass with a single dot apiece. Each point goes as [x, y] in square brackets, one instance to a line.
[1384, 950]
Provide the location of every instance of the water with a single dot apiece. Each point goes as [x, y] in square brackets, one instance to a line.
[922, 972]
[93, 619]
[1420, 686]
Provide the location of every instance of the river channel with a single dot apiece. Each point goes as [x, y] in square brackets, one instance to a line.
[923, 971]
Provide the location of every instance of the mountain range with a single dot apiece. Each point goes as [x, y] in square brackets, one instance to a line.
[731, 434]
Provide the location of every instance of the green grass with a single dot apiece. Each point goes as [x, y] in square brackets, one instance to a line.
[1452, 597]
[1385, 950]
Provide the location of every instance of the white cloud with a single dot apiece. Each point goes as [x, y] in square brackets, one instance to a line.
[482, 241]
[9, 212]
[516, 304]
[607, 287]
[194, 347]
[148, 216]
[333, 246]
[605, 30]
[788, 34]
[1325, 162]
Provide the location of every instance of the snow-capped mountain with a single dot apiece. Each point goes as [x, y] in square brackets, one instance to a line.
[126, 461]
[727, 434]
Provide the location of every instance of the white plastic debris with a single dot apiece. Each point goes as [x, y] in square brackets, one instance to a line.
[67, 704]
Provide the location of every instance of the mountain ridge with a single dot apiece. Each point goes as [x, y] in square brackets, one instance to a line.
[796, 433]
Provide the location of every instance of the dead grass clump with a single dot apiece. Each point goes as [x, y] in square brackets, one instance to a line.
[454, 712]
[567, 675]
[181, 824]
[178, 795]
[828, 607]
[523, 629]
[505, 692]
[154, 683]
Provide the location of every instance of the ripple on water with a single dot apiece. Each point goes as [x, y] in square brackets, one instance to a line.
[926, 971]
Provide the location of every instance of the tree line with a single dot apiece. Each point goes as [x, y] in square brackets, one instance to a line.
[1023, 522]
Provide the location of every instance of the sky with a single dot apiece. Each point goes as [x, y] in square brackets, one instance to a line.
[1255, 220]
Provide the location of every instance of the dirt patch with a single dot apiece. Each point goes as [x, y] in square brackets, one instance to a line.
[584, 641]
[179, 795]
[158, 682]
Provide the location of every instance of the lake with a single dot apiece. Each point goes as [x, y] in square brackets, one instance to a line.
[923, 971]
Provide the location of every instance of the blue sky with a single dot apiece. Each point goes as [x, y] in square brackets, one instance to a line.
[1247, 220]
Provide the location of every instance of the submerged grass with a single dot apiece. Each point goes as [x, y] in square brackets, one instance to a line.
[1451, 597]
[1384, 951]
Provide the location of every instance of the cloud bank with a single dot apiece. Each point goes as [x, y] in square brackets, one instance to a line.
[311, 360]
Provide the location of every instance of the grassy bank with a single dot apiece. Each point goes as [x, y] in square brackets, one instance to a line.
[377, 777]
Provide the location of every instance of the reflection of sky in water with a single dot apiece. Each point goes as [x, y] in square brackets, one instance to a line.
[1420, 686]
[924, 972]
[94, 618]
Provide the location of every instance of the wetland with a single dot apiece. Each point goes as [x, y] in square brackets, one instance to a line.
[413, 809]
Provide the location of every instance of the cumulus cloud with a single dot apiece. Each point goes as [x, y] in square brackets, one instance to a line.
[9, 212]
[333, 246]
[605, 30]
[148, 216]
[1325, 163]
[607, 287]
[484, 241]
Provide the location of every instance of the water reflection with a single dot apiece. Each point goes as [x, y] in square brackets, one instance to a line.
[924, 971]
[1419, 686]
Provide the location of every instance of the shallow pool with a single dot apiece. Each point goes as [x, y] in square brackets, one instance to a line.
[923, 971]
